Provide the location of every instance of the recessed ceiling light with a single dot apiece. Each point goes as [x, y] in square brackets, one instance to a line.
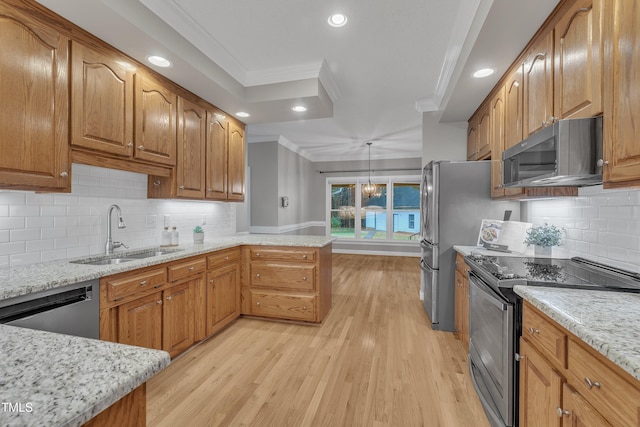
[484, 72]
[242, 114]
[337, 20]
[159, 61]
[299, 108]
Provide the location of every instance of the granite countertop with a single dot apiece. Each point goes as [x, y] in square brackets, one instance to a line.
[23, 280]
[607, 321]
[62, 380]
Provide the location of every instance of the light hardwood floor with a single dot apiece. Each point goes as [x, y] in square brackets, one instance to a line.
[373, 362]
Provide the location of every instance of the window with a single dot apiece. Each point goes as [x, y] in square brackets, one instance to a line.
[389, 214]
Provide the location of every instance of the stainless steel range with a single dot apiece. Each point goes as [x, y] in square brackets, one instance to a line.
[495, 317]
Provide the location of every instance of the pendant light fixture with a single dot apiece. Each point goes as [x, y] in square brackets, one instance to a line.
[369, 189]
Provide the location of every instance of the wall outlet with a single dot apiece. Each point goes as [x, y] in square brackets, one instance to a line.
[151, 221]
[167, 220]
[204, 220]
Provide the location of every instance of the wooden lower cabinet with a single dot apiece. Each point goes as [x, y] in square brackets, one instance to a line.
[178, 317]
[290, 283]
[540, 389]
[223, 297]
[130, 411]
[461, 296]
[564, 382]
[140, 322]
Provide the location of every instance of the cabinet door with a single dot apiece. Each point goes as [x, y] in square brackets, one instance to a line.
[496, 114]
[140, 322]
[540, 389]
[236, 163]
[472, 139]
[190, 170]
[484, 133]
[622, 98]
[578, 61]
[178, 318]
[513, 104]
[101, 102]
[155, 137]
[538, 85]
[217, 156]
[576, 412]
[223, 297]
[34, 83]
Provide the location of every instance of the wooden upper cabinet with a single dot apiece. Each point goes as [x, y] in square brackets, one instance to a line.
[472, 139]
[155, 125]
[538, 85]
[513, 114]
[236, 163]
[190, 169]
[484, 133]
[101, 102]
[578, 61]
[217, 154]
[34, 81]
[496, 116]
[622, 98]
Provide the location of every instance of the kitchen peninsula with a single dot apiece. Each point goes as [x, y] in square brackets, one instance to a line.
[67, 380]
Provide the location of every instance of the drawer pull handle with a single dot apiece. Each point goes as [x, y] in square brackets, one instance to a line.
[258, 254]
[304, 256]
[191, 268]
[591, 384]
[533, 331]
[226, 258]
[304, 278]
[142, 283]
[562, 412]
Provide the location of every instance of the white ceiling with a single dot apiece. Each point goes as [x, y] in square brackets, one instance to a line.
[367, 81]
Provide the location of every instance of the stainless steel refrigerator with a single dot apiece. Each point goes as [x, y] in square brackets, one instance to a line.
[455, 198]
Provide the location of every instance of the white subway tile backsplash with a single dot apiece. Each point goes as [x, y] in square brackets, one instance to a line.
[45, 227]
[606, 224]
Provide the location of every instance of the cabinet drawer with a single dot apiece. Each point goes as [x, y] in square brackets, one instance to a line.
[300, 277]
[548, 340]
[221, 258]
[283, 305]
[613, 396]
[181, 270]
[283, 254]
[118, 289]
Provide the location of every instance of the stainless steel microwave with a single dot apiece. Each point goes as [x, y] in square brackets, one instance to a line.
[567, 153]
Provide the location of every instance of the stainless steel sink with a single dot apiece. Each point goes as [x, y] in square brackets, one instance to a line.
[125, 257]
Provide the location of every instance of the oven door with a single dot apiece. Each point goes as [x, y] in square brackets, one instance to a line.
[491, 351]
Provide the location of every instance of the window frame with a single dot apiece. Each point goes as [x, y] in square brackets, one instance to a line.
[359, 181]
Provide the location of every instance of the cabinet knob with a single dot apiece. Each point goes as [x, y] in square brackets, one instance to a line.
[142, 283]
[211, 280]
[304, 307]
[169, 298]
[562, 412]
[191, 268]
[533, 331]
[130, 144]
[209, 190]
[226, 258]
[141, 147]
[258, 303]
[258, 254]
[159, 302]
[304, 257]
[591, 384]
[304, 278]
[257, 274]
[182, 187]
[64, 174]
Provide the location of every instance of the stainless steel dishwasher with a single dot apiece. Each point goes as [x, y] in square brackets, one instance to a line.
[71, 309]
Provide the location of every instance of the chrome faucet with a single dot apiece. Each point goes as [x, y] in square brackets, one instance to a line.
[111, 245]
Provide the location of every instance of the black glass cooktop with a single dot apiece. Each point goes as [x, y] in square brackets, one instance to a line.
[575, 272]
